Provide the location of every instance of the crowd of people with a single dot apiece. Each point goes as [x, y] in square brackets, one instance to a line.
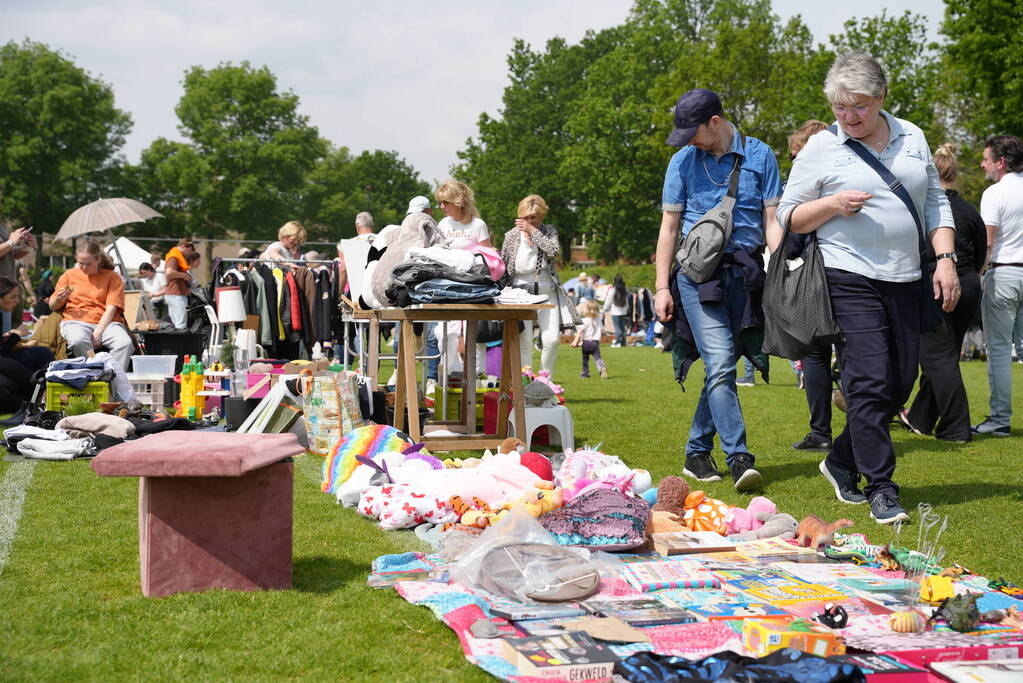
[908, 264]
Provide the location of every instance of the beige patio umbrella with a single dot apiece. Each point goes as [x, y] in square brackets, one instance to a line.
[104, 214]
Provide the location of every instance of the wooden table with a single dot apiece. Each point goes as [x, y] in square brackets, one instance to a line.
[407, 394]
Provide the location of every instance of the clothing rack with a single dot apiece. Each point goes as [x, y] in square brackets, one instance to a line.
[276, 260]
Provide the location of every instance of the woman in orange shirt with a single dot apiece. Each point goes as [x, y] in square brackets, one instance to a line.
[91, 298]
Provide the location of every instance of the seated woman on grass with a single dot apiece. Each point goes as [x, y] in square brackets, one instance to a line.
[16, 364]
[91, 299]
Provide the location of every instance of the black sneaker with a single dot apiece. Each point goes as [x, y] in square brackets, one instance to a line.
[987, 427]
[701, 466]
[885, 508]
[845, 483]
[812, 442]
[745, 477]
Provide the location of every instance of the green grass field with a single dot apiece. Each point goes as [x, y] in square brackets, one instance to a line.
[70, 605]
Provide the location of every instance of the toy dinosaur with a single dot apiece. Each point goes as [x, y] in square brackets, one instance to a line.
[960, 612]
[909, 560]
[814, 531]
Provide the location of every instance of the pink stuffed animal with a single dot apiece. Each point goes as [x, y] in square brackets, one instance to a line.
[740, 520]
[543, 377]
[622, 484]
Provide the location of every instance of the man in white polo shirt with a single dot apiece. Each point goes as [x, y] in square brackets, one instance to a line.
[1001, 207]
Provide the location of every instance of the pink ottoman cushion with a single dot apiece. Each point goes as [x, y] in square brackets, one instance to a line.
[215, 509]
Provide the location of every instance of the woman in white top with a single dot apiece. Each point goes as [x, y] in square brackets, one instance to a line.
[461, 224]
[529, 253]
[464, 229]
[288, 246]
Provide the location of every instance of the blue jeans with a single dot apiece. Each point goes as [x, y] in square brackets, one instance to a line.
[1002, 313]
[717, 411]
[748, 369]
[621, 323]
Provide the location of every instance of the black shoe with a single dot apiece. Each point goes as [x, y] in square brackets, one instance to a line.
[18, 417]
[812, 442]
[745, 477]
[701, 466]
[885, 508]
[845, 483]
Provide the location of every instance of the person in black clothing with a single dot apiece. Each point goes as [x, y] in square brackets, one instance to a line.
[941, 404]
[43, 291]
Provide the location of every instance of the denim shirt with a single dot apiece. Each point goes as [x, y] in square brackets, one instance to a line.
[879, 242]
[696, 181]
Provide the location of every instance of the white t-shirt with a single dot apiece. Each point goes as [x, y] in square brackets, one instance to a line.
[463, 235]
[592, 329]
[1001, 206]
[154, 284]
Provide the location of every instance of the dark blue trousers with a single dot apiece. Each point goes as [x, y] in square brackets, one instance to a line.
[878, 365]
[817, 384]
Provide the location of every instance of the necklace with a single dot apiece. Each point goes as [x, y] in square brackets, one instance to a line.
[710, 177]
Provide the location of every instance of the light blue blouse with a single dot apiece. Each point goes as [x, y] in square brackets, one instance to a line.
[880, 242]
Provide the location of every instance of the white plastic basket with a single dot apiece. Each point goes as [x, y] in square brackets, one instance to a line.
[148, 389]
[153, 365]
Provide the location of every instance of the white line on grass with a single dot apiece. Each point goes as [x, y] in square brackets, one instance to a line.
[12, 497]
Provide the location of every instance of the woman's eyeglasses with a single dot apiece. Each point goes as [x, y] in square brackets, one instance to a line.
[841, 109]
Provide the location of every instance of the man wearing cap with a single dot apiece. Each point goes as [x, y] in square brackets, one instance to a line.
[695, 182]
[418, 204]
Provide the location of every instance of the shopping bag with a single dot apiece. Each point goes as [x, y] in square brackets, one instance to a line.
[797, 306]
[330, 406]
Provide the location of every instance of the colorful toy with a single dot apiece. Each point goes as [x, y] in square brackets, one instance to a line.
[399, 506]
[367, 441]
[781, 525]
[763, 636]
[705, 514]
[907, 622]
[584, 467]
[666, 514]
[602, 519]
[814, 531]
[960, 612]
[741, 520]
[833, 616]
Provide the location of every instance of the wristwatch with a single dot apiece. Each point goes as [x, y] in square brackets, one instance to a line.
[949, 254]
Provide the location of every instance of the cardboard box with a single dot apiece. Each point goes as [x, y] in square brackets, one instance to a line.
[765, 636]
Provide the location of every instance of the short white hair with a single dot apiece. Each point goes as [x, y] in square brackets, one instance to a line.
[365, 219]
[854, 73]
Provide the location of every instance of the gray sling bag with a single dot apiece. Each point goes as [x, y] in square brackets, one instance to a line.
[700, 251]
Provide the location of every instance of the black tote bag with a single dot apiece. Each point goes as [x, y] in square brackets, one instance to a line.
[797, 305]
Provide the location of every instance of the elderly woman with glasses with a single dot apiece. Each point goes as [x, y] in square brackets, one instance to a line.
[870, 243]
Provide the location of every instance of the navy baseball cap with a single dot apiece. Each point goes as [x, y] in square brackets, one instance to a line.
[692, 109]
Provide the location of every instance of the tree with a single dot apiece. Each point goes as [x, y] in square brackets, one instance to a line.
[517, 153]
[340, 186]
[984, 64]
[248, 155]
[61, 135]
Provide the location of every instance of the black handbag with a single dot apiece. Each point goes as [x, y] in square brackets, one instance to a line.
[489, 331]
[797, 305]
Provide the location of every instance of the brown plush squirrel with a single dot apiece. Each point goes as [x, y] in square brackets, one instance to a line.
[814, 531]
[667, 512]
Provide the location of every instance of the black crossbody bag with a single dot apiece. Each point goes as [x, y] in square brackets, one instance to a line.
[931, 316]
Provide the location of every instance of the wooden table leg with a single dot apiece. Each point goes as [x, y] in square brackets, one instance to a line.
[407, 363]
[507, 377]
[518, 406]
[469, 373]
[373, 345]
[400, 391]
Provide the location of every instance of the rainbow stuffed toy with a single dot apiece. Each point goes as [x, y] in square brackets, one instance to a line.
[367, 441]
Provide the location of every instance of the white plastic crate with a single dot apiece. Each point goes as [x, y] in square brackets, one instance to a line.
[152, 365]
[148, 389]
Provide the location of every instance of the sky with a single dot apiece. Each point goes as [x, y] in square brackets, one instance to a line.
[391, 74]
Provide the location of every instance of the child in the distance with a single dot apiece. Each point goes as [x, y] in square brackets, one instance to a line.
[588, 337]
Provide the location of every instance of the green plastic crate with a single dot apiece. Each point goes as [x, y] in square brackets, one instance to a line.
[57, 394]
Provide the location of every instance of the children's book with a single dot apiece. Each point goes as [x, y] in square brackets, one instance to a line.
[854, 606]
[997, 671]
[688, 542]
[569, 656]
[639, 611]
[780, 590]
[879, 584]
[518, 611]
[884, 668]
[823, 573]
[771, 546]
[652, 576]
[718, 604]
[544, 627]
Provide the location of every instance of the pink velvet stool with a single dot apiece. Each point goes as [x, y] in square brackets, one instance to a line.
[215, 508]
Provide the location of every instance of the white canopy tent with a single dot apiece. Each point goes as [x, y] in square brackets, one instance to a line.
[128, 254]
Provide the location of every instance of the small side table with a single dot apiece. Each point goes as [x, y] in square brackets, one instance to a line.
[215, 508]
